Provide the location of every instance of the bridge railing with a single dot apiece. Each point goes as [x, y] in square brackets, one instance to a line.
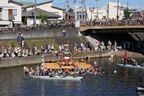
[114, 23]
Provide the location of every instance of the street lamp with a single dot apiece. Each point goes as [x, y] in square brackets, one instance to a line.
[91, 10]
[97, 8]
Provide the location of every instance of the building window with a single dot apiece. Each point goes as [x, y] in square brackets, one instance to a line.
[0, 9]
[13, 12]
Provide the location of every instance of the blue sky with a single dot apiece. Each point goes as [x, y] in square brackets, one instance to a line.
[138, 4]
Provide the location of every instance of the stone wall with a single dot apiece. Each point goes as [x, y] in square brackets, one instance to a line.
[40, 33]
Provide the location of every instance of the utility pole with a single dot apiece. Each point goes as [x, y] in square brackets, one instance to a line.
[127, 10]
[82, 10]
[35, 14]
[97, 8]
[91, 10]
[75, 11]
[68, 10]
[87, 18]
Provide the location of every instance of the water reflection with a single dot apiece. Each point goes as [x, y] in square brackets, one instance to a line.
[14, 83]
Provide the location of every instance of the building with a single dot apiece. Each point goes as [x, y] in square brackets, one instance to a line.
[30, 14]
[110, 12]
[70, 16]
[10, 13]
[47, 6]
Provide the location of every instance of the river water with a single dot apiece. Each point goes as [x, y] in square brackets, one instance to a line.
[13, 82]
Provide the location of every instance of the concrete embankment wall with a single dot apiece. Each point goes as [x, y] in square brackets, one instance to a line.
[129, 54]
[40, 33]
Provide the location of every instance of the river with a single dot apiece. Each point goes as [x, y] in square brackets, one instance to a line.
[13, 82]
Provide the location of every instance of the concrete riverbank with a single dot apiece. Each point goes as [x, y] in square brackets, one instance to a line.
[32, 60]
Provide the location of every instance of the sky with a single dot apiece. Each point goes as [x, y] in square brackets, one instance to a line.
[133, 4]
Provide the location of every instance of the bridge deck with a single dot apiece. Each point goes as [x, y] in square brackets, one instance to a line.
[110, 27]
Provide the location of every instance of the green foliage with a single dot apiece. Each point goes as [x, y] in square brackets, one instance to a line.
[126, 13]
[13, 44]
[62, 22]
[37, 25]
[48, 22]
[71, 10]
[43, 17]
[25, 20]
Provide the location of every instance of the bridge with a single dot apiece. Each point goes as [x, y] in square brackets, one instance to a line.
[113, 29]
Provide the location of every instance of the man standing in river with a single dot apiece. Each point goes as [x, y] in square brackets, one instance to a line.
[37, 70]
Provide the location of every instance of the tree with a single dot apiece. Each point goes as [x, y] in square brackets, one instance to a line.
[25, 19]
[43, 17]
[126, 13]
[71, 10]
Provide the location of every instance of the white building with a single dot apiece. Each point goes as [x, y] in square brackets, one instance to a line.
[47, 6]
[110, 12]
[10, 13]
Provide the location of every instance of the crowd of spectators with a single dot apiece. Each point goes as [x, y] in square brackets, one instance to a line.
[115, 22]
[21, 51]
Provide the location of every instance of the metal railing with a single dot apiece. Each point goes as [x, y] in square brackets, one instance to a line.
[23, 29]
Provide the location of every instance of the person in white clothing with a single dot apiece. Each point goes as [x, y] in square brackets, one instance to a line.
[96, 46]
[52, 47]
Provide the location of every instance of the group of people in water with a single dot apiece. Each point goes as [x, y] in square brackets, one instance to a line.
[42, 71]
[131, 61]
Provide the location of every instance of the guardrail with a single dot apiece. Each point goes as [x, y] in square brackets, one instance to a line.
[23, 29]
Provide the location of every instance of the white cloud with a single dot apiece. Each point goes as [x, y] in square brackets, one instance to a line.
[133, 7]
[103, 7]
[73, 6]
